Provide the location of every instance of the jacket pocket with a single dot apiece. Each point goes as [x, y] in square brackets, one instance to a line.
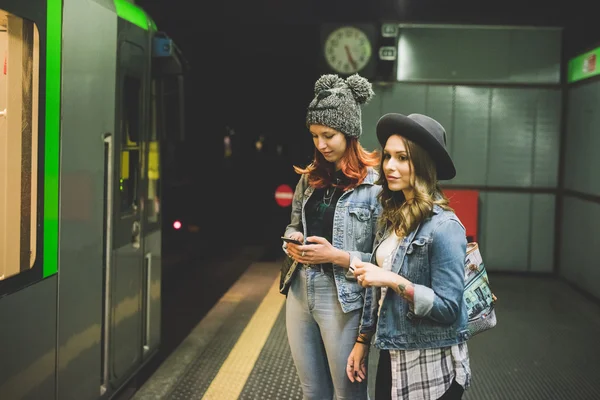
[418, 245]
[360, 225]
[353, 292]
[417, 258]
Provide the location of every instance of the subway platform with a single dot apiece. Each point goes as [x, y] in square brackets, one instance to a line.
[544, 347]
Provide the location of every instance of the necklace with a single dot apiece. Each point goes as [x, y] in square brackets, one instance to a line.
[327, 197]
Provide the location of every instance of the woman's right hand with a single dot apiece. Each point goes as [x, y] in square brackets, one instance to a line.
[356, 369]
[292, 249]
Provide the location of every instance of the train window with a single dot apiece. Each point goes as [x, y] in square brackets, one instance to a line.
[19, 82]
[154, 160]
[130, 150]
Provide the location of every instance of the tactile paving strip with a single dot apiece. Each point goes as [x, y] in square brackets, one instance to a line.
[274, 374]
[200, 373]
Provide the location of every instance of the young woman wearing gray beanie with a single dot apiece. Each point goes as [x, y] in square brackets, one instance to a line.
[334, 212]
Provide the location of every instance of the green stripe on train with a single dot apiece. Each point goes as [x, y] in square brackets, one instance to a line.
[52, 136]
[134, 14]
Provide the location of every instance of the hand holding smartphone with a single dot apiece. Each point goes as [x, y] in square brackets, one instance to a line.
[288, 240]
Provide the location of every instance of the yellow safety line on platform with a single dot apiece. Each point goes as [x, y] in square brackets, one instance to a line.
[233, 374]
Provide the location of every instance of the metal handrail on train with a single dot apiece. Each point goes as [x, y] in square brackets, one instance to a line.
[108, 143]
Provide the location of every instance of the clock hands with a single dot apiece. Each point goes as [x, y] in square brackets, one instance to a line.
[352, 41]
[350, 57]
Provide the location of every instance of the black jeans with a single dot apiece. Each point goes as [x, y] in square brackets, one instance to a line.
[383, 381]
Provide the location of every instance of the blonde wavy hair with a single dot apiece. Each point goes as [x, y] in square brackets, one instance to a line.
[404, 215]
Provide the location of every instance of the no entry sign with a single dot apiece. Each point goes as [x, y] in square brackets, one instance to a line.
[284, 195]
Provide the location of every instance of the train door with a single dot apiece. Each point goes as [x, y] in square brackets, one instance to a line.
[124, 317]
[166, 127]
[151, 232]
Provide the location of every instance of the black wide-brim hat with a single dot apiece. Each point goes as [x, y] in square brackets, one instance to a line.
[424, 131]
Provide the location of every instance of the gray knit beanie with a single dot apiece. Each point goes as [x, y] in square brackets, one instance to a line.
[337, 103]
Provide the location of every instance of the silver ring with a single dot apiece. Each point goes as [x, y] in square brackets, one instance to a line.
[302, 254]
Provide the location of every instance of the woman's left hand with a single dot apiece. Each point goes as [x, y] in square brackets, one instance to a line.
[356, 368]
[368, 274]
[320, 251]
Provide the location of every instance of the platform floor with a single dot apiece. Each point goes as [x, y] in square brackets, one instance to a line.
[544, 347]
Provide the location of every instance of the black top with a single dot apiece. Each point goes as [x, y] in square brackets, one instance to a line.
[320, 209]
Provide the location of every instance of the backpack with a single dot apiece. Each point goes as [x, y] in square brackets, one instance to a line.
[480, 300]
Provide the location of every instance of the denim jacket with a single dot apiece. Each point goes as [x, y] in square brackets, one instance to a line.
[432, 258]
[354, 228]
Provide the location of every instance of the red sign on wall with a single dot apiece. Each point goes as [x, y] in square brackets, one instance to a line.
[284, 195]
[466, 206]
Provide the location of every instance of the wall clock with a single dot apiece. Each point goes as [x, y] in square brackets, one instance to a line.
[347, 49]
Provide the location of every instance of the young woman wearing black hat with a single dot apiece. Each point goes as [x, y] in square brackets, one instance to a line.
[415, 281]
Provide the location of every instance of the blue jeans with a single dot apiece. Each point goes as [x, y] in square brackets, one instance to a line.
[321, 337]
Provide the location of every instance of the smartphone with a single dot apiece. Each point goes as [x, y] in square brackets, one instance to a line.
[353, 263]
[288, 240]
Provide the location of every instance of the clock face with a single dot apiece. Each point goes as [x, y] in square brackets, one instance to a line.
[347, 50]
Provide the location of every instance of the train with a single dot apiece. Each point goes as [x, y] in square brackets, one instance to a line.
[91, 99]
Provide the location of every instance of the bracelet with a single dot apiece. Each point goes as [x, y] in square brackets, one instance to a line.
[359, 340]
[364, 336]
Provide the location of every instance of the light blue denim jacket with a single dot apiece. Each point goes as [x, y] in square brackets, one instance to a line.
[354, 228]
[432, 258]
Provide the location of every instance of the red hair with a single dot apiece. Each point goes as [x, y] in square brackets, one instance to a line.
[353, 165]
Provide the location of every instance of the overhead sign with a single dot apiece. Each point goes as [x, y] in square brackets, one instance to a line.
[387, 53]
[584, 66]
[284, 195]
[389, 30]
